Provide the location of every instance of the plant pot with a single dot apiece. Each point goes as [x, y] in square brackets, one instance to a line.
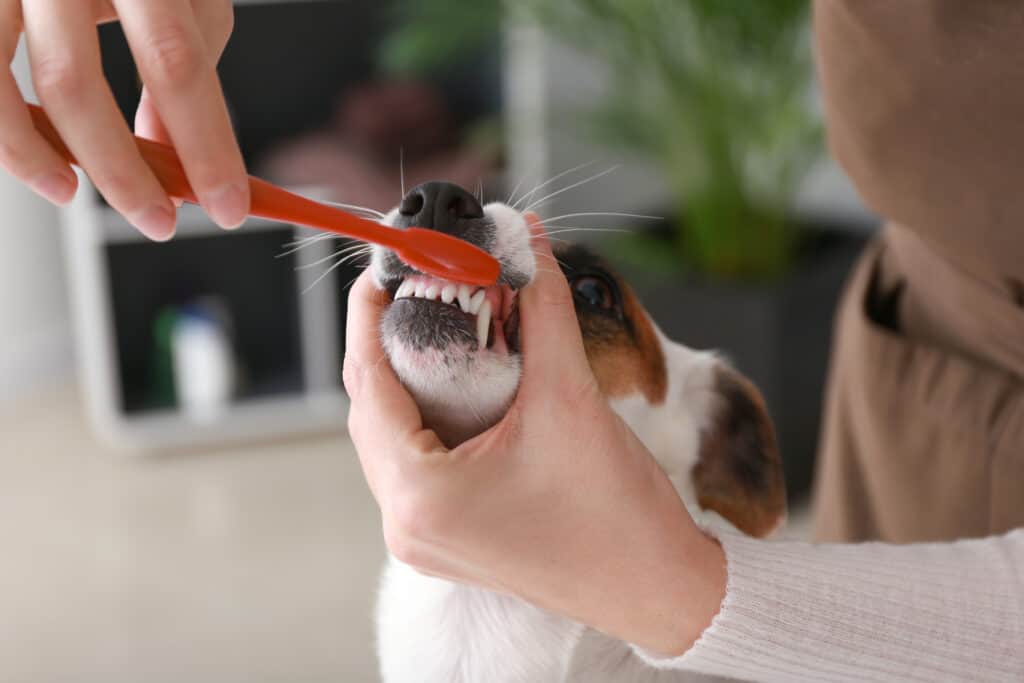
[777, 333]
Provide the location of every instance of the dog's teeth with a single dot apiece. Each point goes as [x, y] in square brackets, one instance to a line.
[464, 297]
[421, 288]
[476, 301]
[431, 292]
[483, 323]
[404, 290]
[448, 293]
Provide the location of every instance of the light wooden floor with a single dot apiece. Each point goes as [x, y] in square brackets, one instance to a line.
[250, 564]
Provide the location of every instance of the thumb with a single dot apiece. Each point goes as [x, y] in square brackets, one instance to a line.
[549, 331]
[379, 402]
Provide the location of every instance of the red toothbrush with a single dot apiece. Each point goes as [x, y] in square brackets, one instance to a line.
[429, 251]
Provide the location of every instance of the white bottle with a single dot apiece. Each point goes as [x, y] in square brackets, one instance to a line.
[204, 375]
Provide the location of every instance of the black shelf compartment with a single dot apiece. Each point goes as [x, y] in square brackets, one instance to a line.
[245, 271]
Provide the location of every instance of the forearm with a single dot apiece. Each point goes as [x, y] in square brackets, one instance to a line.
[795, 611]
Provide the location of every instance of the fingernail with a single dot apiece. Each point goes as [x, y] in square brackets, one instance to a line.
[156, 222]
[228, 206]
[58, 187]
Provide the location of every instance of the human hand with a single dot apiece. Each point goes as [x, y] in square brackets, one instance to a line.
[176, 45]
[559, 503]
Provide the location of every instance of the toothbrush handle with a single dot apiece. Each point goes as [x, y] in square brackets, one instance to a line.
[268, 201]
[276, 203]
[427, 250]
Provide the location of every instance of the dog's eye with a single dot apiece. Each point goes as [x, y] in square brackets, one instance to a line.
[594, 291]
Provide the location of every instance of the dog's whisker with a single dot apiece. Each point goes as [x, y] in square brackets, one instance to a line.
[347, 253]
[548, 257]
[352, 281]
[353, 257]
[617, 214]
[569, 228]
[325, 274]
[476, 411]
[557, 260]
[355, 208]
[306, 242]
[313, 264]
[358, 246]
[552, 195]
[401, 171]
[514, 190]
[307, 239]
[556, 239]
[529, 195]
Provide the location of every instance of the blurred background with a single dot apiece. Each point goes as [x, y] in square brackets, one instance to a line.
[178, 499]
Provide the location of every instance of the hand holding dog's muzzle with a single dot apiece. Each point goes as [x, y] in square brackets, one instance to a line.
[559, 503]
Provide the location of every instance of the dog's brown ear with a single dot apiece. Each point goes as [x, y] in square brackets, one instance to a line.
[739, 471]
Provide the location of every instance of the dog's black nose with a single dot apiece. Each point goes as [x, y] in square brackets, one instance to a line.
[441, 206]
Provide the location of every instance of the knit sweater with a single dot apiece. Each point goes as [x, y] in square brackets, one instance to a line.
[866, 612]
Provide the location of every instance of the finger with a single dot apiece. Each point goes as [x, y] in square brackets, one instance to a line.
[68, 77]
[147, 120]
[103, 12]
[549, 332]
[381, 406]
[216, 19]
[23, 151]
[179, 72]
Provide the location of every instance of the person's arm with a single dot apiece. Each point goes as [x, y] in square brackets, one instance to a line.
[870, 611]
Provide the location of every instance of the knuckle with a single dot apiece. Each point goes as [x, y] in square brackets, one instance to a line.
[173, 57]
[351, 374]
[125, 193]
[416, 520]
[355, 426]
[557, 296]
[402, 547]
[58, 76]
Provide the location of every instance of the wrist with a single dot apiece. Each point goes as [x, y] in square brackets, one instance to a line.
[691, 587]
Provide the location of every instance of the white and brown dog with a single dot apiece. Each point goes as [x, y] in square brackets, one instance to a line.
[455, 348]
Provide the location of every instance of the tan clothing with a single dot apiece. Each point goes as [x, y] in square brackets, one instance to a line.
[924, 429]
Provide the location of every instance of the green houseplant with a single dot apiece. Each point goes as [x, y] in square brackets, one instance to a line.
[714, 92]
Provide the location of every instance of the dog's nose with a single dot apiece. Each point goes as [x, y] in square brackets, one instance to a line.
[440, 206]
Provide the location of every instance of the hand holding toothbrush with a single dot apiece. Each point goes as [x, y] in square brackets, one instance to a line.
[176, 44]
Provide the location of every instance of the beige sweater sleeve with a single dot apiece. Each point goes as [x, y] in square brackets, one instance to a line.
[867, 612]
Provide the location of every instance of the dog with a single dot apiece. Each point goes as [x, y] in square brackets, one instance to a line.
[455, 348]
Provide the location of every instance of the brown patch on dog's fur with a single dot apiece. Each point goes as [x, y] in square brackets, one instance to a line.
[624, 366]
[621, 345]
[739, 474]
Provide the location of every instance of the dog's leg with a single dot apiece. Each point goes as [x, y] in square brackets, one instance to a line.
[430, 630]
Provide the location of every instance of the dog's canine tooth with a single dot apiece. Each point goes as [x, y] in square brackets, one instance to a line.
[405, 289]
[464, 298]
[431, 292]
[476, 301]
[448, 293]
[483, 323]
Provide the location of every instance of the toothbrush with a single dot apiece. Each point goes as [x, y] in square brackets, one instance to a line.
[429, 251]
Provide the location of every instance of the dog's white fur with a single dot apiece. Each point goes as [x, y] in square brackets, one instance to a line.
[432, 630]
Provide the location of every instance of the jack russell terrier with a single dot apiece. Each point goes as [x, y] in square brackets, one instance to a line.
[455, 348]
